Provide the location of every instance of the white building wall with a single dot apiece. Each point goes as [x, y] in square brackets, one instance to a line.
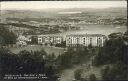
[40, 40]
[94, 41]
[49, 39]
[86, 40]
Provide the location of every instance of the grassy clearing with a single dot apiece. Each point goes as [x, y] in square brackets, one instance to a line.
[48, 49]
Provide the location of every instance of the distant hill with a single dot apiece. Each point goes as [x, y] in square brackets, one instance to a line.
[54, 12]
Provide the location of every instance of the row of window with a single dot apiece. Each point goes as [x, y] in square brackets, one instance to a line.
[84, 40]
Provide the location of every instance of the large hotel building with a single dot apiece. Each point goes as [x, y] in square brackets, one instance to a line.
[50, 39]
[85, 40]
[74, 40]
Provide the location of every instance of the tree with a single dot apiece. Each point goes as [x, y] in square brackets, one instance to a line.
[1, 41]
[8, 37]
[114, 52]
[34, 40]
[77, 74]
[116, 72]
[105, 72]
[8, 62]
[115, 35]
[111, 52]
[25, 62]
[92, 77]
[63, 44]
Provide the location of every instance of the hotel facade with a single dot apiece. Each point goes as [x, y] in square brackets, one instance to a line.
[50, 39]
[85, 40]
[73, 40]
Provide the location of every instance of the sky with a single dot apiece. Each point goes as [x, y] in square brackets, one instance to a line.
[40, 5]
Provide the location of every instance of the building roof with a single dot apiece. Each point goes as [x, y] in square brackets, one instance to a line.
[88, 35]
[73, 35]
[55, 35]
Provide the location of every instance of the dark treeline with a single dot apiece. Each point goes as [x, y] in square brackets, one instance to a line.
[22, 25]
[25, 63]
[6, 36]
[75, 56]
[39, 62]
[114, 54]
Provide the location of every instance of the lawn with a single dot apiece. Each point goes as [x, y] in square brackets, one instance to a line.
[47, 49]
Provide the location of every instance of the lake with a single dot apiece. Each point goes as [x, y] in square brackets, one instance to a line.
[96, 29]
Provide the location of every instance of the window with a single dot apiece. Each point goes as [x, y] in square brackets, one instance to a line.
[99, 42]
[77, 40]
[90, 40]
[83, 40]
